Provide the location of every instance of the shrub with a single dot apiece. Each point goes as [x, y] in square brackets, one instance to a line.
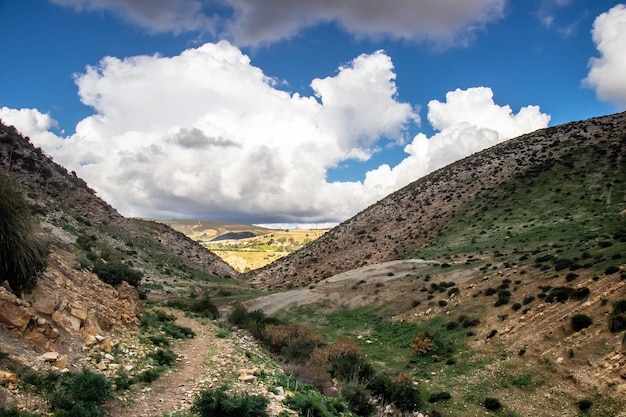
[585, 405]
[619, 307]
[611, 270]
[163, 357]
[617, 323]
[516, 306]
[72, 393]
[560, 294]
[357, 397]
[311, 404]
[398, 390]
[114, 273]
[580, 293]
[492, 404]
[571, 277]
[421, 343]
[149, 375]
[580, 321]
[202, 307]
[344, 360]
[439, 396]
[15, 412]
[23, 253]
[212, 403]
[295, 342]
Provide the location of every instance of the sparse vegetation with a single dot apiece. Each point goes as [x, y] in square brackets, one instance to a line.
[73, 393]
[212, 403]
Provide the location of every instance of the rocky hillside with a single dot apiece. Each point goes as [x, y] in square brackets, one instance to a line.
[70, 305]
[565, 176]
[69, 209]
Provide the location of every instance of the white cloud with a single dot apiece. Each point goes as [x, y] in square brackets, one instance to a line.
[253, 22]
[31, 122]
[607, 73]
[206, 135]
[468, 122]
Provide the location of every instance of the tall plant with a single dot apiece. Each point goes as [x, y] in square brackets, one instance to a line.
[22, 254]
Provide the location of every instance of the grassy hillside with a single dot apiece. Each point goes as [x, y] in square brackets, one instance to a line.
[554, 185]
[523, 303]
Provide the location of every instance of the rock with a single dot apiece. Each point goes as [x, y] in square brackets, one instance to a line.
[109, 357]
[100, 338]
[101, 366]
[66, 321]
[42, 303]
[41, 321]
[50, 356]
[90, 340]
[38, 340]
[106, 345]
[9, 379]
[61, 362]
[247, 378]
[79, 313]
[12, 312]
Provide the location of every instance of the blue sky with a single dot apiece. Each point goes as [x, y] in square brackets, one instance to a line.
[294, 112]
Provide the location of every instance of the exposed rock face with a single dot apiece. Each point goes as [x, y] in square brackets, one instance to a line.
[68, 305]
[12, 311]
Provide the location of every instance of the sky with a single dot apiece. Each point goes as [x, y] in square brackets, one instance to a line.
[294, 112]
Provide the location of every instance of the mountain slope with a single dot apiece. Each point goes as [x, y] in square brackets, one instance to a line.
[70, 210]
[536, 188]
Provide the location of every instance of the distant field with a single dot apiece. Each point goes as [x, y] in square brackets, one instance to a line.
[248, 254]
[245, 255]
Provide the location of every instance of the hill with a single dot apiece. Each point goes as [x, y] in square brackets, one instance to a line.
[510, 263]
[558, 184]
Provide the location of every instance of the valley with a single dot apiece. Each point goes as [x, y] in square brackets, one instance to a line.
[494, 286]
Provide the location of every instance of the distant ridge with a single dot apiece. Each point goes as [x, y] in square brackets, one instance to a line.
[233, 236]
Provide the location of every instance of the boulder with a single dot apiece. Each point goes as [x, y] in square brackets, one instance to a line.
[66, 321]
[12, 311]
[61, 362]
[9, 379]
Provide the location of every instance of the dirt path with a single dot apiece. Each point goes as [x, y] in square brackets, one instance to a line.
[175, 389]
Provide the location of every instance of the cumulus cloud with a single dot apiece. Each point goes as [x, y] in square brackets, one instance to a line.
[606, 74]
[206, 135]
[467, 122]
[252, 22]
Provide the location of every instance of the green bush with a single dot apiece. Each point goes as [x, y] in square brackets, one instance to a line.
[585, 405]
[580, 321]
[312, 404]
[202, 307]
[163, 357]
[398, 390]
[492, 404]
[114, 273]
[15, 412]
[358, 398]
[72, 393]
[149, 375]
[617, 323]
[439, 396]
[214, 403]
[23, 254]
